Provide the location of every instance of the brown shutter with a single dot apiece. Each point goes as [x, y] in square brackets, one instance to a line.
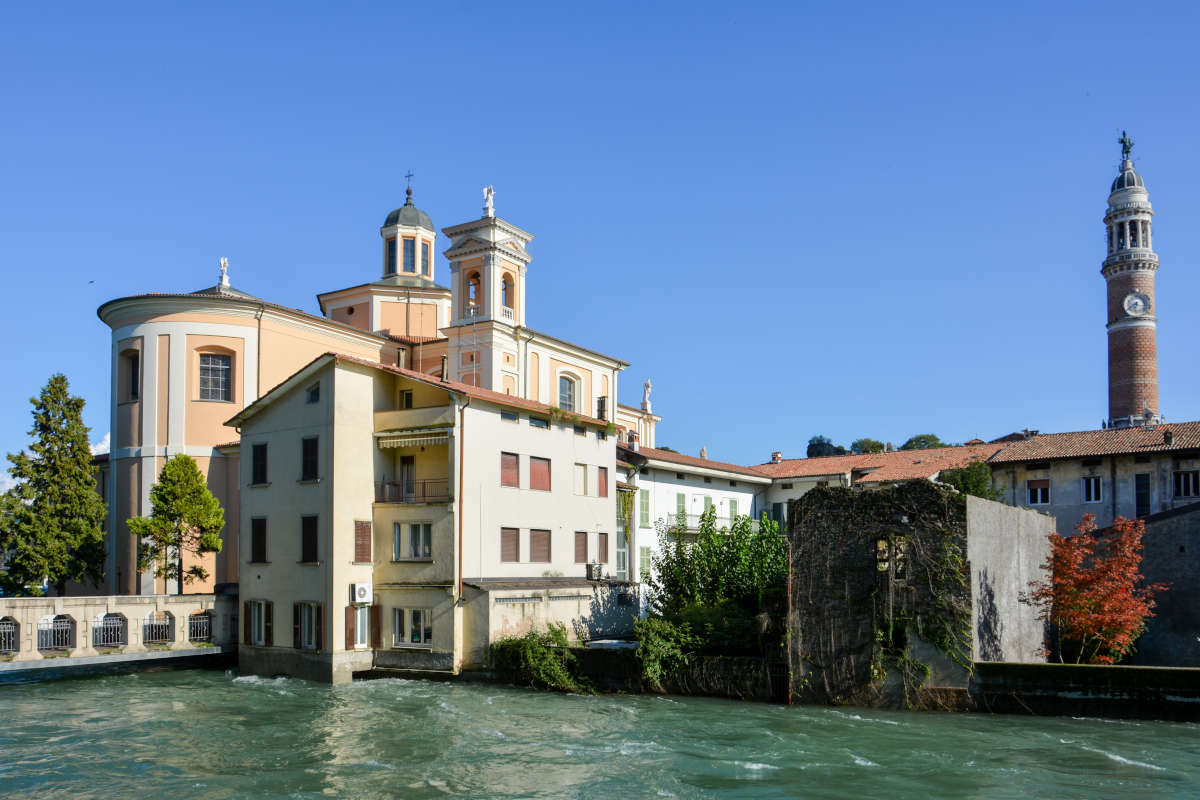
[247, 633]
[510, 472]
[603, 481]
[510, 544]
[399, 634]
[296, 626]
[1039, 484]
[268, 625]
[376, 627]
[539, 473]
[602, 547]
[362, 542]
[320, 626]
[349, 627]
[580, 547]
[539, 546]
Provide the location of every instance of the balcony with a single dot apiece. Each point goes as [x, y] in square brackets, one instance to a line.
[414, 418]
[693, 522]
[431, 490]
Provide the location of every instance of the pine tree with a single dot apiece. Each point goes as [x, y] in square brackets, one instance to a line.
[184, 518]
[50, 520]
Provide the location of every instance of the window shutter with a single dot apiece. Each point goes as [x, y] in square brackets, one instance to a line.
[644, 508]
[539, 474]
[320, 626]
[580, 547]
[268, 624]
[680, 502]
[602, 482]
[510, 544]
[362, 541]
[398, 624]
[733, 509]
[1040, 484]
[377, 627]
[602, 548]
[539, 546]
[349, 627]
[510, 472]
[296, 626]
[247, 625]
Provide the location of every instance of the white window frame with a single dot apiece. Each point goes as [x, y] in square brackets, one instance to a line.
[575, 384]
[404, 622]
[1029, 496]
[308, 626]
[1092, 481]
[226, 393]
[362, 627]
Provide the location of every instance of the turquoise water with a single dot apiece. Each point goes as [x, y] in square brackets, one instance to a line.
[209, 734]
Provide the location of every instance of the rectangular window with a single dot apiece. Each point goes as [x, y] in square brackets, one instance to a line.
[309, 634]
[258, 622]
[1141, 492]
[580, 547]
[602, 548]
[362, 625]
[509, 416]
[313, 395]
[580, 479]
[602, 481]
[391, 257]
[131, 361]
[643, 563]
[1187, 483]
[680, 503]
[405, 399]
[411, 626]
[309, 448]
[258, 540]
[733, 509]
[425, 258]
[1038, 492]
[538, 422]
[580, 430]
[215, 377]
[708, 503]
[1091, 489]
[308, 540]
[410, 255]
[420, 541]
[644, 508]
[510, 544]
[539, 474]
[539, 546]
[510, 470]
[362, 542]
[601, 435]
[258, 465]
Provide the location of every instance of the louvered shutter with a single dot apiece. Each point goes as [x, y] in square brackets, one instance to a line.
[349, 627]
[296, 626]
[376, 637]
[362, 541]
[602, 482]
[539, 474]
[510, 470]
[510, 544]
[539, 546]
[580, 547]
[602, 548]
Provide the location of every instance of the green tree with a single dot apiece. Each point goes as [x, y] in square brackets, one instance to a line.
[822, 446]
[860, 446]
[184, 518]
[51, 517]
[975, 478]
[923, 441]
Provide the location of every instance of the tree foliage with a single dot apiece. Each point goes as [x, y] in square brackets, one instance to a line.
[975, 478]
[540, 659]
[861, 446]
[1094, 595]
[923, 441]
[184, 518]
[50, 523]
[822, 446]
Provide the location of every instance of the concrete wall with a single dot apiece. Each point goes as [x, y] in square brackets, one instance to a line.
[1171, 550]
[1006, 548]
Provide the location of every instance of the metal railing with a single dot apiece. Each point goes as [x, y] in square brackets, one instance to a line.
[9, 636]
[692, 521]
[158, 630]
[435, 490]
[200, 627]
[56, 634]
[506, 312]
[111, 630]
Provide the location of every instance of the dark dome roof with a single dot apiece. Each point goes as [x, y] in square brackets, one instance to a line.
[1128, 179]
[408, 214]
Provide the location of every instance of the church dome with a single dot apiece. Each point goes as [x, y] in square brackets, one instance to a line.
[408, 214]
[1128, 179]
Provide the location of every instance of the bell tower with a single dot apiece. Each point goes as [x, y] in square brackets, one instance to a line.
[1132, 322]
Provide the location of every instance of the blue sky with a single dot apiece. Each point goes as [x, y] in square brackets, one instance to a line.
[847, 219]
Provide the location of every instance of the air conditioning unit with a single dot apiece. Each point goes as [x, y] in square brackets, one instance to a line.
[595, 572]
[360, 594]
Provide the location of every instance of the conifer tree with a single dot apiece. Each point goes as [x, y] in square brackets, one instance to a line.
[51, 517]
[184, 518]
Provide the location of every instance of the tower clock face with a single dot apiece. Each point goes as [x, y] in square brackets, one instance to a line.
[1137, 304]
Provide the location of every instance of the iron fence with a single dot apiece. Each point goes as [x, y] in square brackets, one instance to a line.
[200, 627]
[56, 634]
[158, 629]
[9, 636]
[111, 630]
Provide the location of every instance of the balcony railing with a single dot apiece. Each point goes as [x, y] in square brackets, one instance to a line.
[56, 634]
[110, 631]
[200, 627]
[9, 630]
[506, 312]
[433, 490]
[692, 521]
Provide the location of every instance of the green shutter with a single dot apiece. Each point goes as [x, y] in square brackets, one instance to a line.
[644, 508]
[707, 502]
[733, 509]
[643, 563]
[681, 502]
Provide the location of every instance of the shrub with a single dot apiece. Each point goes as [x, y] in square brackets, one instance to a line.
[540, 659]
[664, 648]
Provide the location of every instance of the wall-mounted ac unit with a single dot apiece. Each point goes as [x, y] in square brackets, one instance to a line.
[360, 594]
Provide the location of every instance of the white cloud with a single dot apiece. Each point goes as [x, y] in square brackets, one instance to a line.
[101, 446]
[6, 481]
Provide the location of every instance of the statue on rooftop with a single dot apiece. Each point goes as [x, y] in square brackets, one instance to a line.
[488, 203]
[646, 395]
[1126, 145]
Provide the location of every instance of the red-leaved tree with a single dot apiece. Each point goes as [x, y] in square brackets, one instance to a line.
[1096, 598]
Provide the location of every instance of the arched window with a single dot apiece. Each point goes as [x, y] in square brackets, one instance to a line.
[474, 290]
[506, 291]
[566, 393]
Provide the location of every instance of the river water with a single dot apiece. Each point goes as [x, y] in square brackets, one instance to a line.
[197, 733]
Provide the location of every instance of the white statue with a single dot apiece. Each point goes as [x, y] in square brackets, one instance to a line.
[488, 207]
[224, 264]
[646, 395]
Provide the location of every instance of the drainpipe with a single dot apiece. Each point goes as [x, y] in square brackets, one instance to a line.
[462, 428]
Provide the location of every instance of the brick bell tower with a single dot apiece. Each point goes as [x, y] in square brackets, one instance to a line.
[1129, 270]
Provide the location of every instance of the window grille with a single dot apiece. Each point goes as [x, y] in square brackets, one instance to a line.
[215, 381]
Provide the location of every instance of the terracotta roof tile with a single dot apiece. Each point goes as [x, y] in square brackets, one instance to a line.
[691, 461]
[1111, 442]
[897, 466]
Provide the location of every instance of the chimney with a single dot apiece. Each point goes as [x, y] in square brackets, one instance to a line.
[633, 440]
[445, 377]
[776, 457]
[402, 357]
[1168, 437]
